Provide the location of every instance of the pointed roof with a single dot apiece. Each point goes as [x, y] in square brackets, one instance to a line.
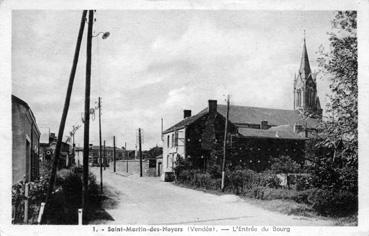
[305, 65]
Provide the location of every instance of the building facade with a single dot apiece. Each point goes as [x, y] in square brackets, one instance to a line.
[26, 136]
[94, 154]
[256, 135]
[47, 150]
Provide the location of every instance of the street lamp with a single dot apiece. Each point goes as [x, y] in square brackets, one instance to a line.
[105, 35]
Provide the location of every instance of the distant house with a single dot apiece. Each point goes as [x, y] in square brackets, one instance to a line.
[255, 134]
[94, 154]
[26, 137]
[47, 150]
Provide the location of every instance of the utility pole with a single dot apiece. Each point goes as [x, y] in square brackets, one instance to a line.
[225, 144]
[87, 112]
[114, 159]
[161, 133]
[140, 150]
[65, 112]
[100, 150]
[127, 154]
[104, 156]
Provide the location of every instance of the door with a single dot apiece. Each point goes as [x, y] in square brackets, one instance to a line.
[28, 161]
[159, 168]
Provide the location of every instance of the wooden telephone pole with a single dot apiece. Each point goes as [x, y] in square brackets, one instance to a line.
[127, 154]
[100, 150]
[114, 156]
[65, 112]
[225, 144]
[87, 112]
[105, 161]
[140, 150]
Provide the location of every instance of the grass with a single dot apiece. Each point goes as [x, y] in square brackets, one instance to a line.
[284, 206]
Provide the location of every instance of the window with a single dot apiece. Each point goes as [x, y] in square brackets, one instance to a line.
[176, 139]
[28, 161]
[298, 97]
[173, 140]
[168, 140]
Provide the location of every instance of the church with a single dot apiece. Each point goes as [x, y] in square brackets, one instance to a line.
[256, 135]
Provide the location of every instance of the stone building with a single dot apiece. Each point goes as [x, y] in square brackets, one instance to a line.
[26, 136]
[256, 135]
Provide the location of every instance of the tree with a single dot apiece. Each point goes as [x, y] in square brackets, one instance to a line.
[154, 152]
[336, 167]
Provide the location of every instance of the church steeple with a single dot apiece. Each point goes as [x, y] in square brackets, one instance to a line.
[304, 70]
[305, 91]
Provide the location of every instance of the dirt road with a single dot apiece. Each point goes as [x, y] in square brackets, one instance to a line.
[147, 200]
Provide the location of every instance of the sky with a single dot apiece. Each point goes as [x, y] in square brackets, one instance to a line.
[156, 63]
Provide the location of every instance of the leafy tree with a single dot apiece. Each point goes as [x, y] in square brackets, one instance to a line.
[153, 152]
[336, 166]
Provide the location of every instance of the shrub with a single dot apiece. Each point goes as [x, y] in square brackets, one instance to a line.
[215, 171]
[303, 182]
[269, 180]
[37, 193]
[285, 164]
[328, 202]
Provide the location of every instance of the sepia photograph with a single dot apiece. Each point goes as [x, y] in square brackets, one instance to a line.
[126, 119]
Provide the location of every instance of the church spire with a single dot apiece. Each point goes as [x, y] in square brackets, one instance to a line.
[304, 66]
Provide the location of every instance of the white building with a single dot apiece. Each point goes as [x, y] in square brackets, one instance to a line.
[173, 146]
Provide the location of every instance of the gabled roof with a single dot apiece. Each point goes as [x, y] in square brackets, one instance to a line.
[19, 101]
[239, 115]
[281, 133]
[186, 121]
[254, 115]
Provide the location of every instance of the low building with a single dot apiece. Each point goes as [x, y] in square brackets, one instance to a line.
[256, 136]
[107, 152]
[26, 137]
[47, 150]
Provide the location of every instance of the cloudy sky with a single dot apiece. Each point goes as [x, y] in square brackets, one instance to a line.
[157, 63]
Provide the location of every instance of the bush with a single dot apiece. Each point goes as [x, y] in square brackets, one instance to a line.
[215, 171]
[284, 164]
[303, 182]
[328, 202]
[37, 193]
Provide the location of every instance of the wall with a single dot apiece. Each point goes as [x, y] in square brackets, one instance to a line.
[204, 140]
[170, 152]
[133, 167]
[257, 153]
[24, 129]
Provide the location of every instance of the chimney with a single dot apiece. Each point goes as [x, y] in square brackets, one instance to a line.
[186, 113]
[264, 124]
[212, 106]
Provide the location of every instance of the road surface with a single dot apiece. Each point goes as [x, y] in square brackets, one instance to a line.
[149, 201]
